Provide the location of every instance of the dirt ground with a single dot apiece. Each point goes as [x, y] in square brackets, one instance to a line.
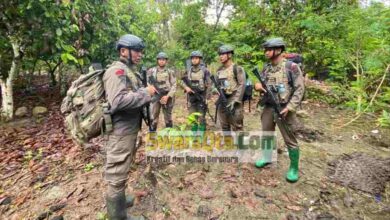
[43, 175]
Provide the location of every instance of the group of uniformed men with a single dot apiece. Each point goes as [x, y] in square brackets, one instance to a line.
[126, 97]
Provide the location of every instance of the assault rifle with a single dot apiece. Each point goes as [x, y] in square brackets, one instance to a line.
[198, 97]
[146, 108]
[160, 93]
[273, 101]
[222, 100]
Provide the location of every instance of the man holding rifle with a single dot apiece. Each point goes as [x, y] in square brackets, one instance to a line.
[196, 83]
[230, 83]
[126, 98]
[164, 80]
[282, 85]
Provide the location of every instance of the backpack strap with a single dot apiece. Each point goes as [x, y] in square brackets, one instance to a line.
[108, 127]
[205, 71]
[189, 75]
[235, 72]
[289, 73]
[170, 72]
[154, 73]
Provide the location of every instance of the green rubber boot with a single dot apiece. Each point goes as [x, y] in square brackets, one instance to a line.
[293, 172]
[267, 145]
[194, 127]
[130, 200]
[202, 127]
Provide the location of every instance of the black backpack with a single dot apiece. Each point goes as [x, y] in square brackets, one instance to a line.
[296, 58]
[248, 87]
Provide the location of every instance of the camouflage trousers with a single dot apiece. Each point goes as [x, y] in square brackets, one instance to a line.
[268, 123]
[233, 122]
[120, 151]
[167, 111]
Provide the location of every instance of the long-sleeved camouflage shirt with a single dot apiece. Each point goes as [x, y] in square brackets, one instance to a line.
[125, 97]
[165, 78]
[200, 79]
[278, 74]
[233, 86]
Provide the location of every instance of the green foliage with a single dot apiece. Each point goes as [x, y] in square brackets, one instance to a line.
[88, 167]
[193, 118]
[28, 155]
[166, 211]
[31, 155]
[101, 216]
[335, 96]
[384, 120]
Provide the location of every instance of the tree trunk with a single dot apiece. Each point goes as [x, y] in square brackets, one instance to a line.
[6, 83]
[63, 81]
[358, 80]
[7, 104]
[53, 81]
[52, 76]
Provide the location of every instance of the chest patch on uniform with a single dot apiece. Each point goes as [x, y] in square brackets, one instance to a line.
[120, 72]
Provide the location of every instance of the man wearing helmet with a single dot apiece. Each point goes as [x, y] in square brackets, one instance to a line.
[287, 80]
[125, 95]
[164, 80]
[199, 77]
[231, 78]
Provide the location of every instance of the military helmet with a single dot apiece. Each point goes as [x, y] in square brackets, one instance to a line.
[275, 43]
[131, 42]
[162, 55]
[196, 53]
[225, 49]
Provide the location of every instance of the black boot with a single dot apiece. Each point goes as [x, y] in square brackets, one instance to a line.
[116, 208]
[169, 125]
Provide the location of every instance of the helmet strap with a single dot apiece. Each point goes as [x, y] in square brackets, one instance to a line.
[274, 55]
[129, 59]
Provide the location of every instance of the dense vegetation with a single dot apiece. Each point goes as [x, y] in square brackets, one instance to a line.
[344, 42]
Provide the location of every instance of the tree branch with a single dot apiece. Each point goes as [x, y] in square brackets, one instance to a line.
[372, 99]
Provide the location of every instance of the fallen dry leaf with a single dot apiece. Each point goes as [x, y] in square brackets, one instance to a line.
[294, 207]
[189, 178]
[140, 193]
[251, 203]
[206, 193]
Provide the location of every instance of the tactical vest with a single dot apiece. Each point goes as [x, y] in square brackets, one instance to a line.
[163, 79]
[197, 79]
[227, 80]
[279, 78]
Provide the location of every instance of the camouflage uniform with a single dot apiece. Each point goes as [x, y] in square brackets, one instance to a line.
[166, 85]
[200, 79]
[287, 81]
[234, 88]
[275, 76]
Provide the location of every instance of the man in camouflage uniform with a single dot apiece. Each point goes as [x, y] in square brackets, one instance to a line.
[199, 77]
[126, 98]
[287, 80]
[164, 80]
[231, 78]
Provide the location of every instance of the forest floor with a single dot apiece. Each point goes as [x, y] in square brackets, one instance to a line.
[43, 175]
